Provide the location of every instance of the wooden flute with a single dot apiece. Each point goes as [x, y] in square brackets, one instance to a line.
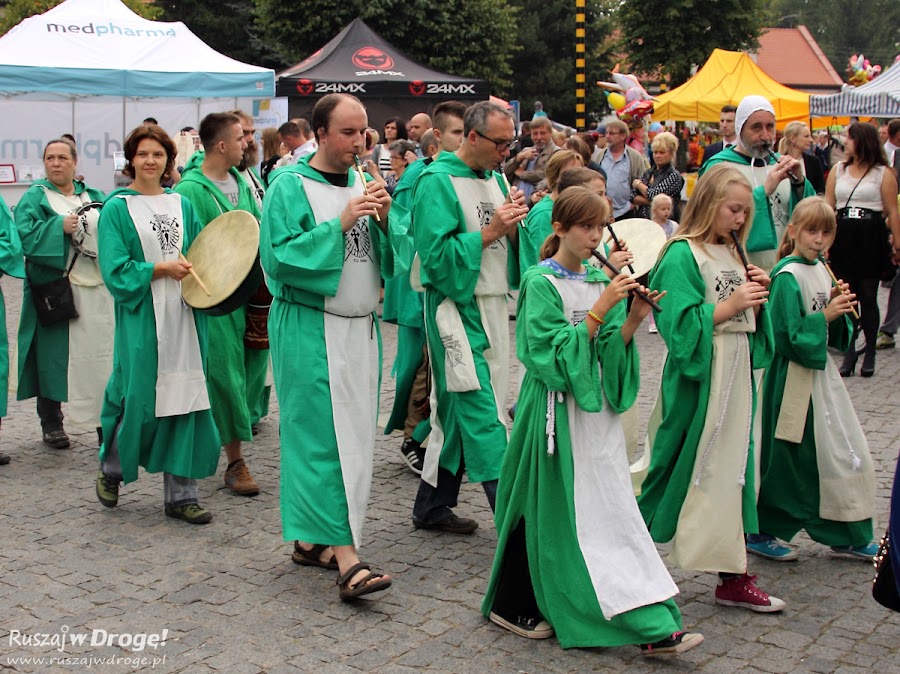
[836, 283]
[638, 293]
[359, 170]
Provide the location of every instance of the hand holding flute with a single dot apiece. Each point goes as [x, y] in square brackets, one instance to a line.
[633, 287]
[842, 299]
[506, 217]
[362, 177]
[785, 167]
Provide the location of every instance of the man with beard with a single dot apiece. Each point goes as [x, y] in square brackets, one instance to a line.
[529, 167]
[775, 190]
[249, 162]
[465, 230]
[212, 184]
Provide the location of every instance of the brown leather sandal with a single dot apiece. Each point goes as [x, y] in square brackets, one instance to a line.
[369, 583]
[312, 557]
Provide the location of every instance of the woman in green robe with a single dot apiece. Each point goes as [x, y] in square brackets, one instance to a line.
[156, 411]
[11, 264]
[73, 354]
[573, 551]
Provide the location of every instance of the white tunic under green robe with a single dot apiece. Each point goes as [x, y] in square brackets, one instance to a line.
[466, 317]
[156, 403]
[700, 489]
[597, 576]
[817, 473]
[326, 349]
[12, 263]
[70, 361]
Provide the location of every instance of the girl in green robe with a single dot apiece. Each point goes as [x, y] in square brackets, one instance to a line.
[700, 489]
[816, 470]
[573, 551]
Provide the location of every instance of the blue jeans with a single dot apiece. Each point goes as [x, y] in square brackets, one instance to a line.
[434, 504]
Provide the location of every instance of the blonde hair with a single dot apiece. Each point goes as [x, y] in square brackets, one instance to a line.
[791, 131]
[658, 199]
[558, 161]
[711, 191]
[270, 142]
[812, 213]
[665, 141]
[576, 206]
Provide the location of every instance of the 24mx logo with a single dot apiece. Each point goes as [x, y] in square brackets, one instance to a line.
[450, 89]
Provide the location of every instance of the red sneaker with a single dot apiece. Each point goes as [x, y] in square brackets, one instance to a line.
[741, 591]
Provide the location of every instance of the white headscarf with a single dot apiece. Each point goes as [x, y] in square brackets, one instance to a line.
[747, 107]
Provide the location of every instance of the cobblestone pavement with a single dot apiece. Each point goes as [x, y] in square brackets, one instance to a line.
[226, 597]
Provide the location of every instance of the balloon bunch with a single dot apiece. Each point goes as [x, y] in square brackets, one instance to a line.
[627, 97]
[860, 71]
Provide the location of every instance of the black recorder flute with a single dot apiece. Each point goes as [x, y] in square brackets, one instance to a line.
[793, 177]
[639, 293]
[618, 245]
[740, 250]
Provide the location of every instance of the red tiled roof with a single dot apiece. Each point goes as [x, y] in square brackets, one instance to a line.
[792, 57]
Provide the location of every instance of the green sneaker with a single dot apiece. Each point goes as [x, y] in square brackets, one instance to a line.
[107, 490]
[192, 513]
[885, 341]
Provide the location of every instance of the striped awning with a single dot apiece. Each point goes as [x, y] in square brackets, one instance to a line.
[878, 98]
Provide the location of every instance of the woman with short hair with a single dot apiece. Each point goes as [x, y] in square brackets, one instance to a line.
[663, 179]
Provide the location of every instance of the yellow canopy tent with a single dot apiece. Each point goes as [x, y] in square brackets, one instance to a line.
[725, 78]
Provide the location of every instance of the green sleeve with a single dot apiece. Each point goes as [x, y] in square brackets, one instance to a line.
[202, 201]
[450, 256]
[41, 230]
[840, 333]
[12, 262]
[619, 362]
[125, 271]
[295, 249]
[686, 319]
[533, 231]
[798, 336]
[561, 355]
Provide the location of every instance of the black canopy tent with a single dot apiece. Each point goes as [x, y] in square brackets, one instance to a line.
[358, 61]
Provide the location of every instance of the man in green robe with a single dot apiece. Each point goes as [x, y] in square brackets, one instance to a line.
[403, 306]
[324, 244]
[775, 191]
[12, 264]
[213, 185]
[465, 233]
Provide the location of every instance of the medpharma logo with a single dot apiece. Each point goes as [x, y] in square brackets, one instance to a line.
[110, 29]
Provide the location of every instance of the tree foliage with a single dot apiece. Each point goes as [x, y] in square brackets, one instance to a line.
[471, 38]
[225, 25]
[19, 10]
[671, 36]
[544, 68]
[846, 27]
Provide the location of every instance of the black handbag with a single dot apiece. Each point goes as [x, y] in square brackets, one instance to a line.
[53, 301]
[884, 587]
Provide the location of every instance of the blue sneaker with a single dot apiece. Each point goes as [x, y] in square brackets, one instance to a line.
[765, 546]
[864, 552]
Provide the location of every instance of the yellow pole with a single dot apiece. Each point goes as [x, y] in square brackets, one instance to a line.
[580, 108]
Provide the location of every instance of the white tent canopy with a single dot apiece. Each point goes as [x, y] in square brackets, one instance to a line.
[878, 98]
[100, 47]
[95, 69]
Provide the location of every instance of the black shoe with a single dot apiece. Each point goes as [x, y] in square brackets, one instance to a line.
[452, 525]
[529, 627]
[849, 364]
[56, 439]
[868, 366]
[412, 454]
[254, 429]
[4, 459]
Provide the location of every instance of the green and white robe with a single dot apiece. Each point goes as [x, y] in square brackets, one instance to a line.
[70, 361]
[236, 374]
[326, 349]
[12, 263]
[156, 404]
[771, 213]
[700, 487]
[817, 473]
[597, 576]
[466, 317]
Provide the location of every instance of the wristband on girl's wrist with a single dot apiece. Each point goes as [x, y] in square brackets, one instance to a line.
[597, 319]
